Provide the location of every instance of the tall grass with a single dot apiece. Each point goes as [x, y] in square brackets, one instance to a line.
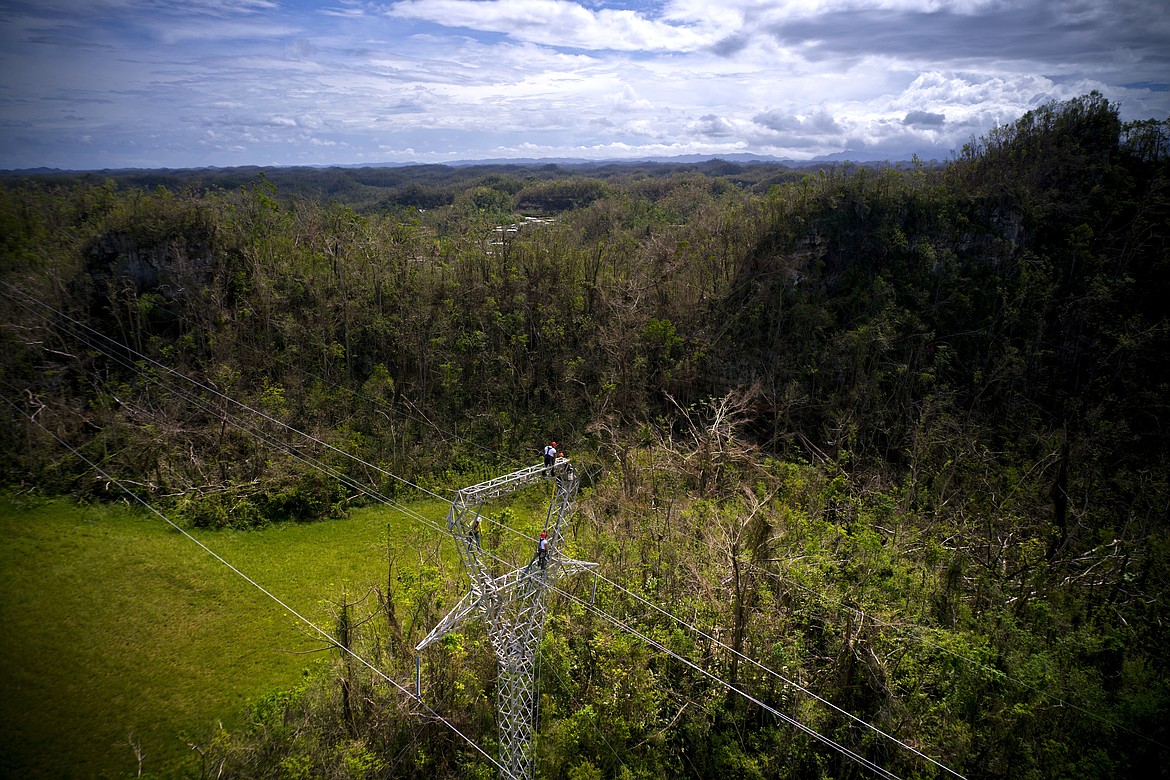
[117, 631]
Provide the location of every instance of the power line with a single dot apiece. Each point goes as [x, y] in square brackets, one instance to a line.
[419, 417]
[600, 733]
[169, 371]
[332, 641]
[769, 671]
[390, 502]
[778, 676]
[285, 446]
[424, 520]
[787, 718]
[220, 394]
[330, 472]
[915, 632]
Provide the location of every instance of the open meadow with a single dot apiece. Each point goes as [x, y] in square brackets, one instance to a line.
[119, 631]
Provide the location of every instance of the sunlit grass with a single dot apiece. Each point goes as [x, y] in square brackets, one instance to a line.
[117, 628]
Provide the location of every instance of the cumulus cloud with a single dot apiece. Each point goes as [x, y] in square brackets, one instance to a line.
[625, 99]
[713, 127]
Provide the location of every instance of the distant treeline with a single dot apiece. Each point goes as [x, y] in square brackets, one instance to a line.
[980, 345]
[391, 190]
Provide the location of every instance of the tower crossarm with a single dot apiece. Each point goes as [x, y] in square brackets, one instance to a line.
[464, 519]
[503, 485]
[471, 602]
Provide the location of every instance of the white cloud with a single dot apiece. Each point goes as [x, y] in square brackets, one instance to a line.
[712, 126]
[623, 98]
[561, 23]
[214, 7]
[816, 123]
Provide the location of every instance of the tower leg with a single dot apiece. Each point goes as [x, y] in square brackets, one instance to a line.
[516, 689]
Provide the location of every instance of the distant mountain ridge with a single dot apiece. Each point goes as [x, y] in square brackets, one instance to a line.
[843, 157]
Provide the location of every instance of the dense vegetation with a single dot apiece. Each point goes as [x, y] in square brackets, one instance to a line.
[900, 434]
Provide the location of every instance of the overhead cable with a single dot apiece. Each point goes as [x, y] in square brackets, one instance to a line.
[374, 494]
[332, 641]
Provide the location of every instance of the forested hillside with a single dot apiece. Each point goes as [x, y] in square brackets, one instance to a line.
[899, 434]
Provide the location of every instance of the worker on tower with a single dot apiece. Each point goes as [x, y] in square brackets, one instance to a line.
[542, 551]
[473, 532]
[550, 457]
[565, 473]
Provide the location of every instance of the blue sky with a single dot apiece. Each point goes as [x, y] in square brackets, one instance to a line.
[91, 84]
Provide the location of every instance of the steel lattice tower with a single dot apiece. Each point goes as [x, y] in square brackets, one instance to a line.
[513, 605]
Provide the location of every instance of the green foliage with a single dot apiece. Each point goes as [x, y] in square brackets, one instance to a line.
[303, 497]
[228, 509]
[556, 195]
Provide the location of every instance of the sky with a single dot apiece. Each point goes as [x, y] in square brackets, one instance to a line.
[103, 84]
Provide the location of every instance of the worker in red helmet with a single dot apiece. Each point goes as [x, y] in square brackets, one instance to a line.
[542, 551]
[565, 473]
[550, 457]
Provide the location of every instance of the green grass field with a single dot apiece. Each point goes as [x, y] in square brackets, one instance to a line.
[116, 627]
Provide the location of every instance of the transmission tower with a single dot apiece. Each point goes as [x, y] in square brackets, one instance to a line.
[512, 605]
